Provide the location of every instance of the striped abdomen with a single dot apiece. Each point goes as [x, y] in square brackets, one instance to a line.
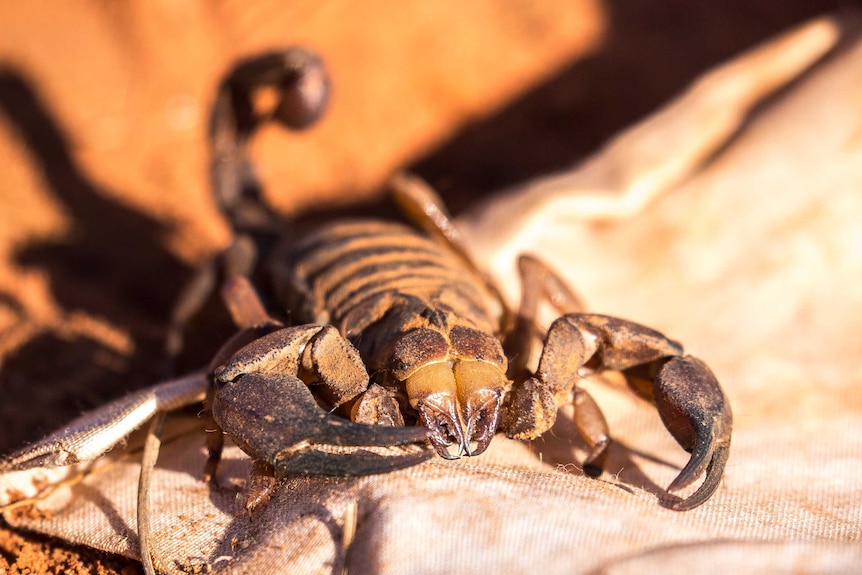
[350, 273]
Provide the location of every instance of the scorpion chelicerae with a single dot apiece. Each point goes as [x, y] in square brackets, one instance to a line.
[448, 360]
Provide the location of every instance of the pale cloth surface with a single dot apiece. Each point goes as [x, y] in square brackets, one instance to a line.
[753, 263]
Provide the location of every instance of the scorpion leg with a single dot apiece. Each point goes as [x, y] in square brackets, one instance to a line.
[250, 317]
[421, 204]
[539, 282]
[263, 401]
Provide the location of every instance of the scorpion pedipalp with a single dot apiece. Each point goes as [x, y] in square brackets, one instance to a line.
[264, 403]
[695, 411]
[274, 417]
[686, 394]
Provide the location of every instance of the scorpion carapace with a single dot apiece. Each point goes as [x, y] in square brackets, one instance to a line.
[408, 306]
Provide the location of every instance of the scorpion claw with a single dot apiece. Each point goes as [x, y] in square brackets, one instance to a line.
[697, 414]
[346, 463]
[263, 413]
[714, 472]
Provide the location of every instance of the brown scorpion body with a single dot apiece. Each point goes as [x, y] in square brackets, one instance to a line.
[400, 337]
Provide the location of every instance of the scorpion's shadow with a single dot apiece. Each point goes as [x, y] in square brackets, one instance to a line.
[112, 265]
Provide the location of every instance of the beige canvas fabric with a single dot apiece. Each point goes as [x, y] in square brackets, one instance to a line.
[753, 262]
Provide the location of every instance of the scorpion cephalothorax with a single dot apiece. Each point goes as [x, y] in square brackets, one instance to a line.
[392, 326]
[420, 319]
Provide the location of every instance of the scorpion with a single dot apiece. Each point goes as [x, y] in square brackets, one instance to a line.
[397, 339]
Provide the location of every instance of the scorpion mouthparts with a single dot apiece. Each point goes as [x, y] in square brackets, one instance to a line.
[460, 406]
[454, 437]
[445, 430]
[482, 413]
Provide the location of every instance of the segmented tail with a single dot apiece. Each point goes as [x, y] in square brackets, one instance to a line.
[301, 86]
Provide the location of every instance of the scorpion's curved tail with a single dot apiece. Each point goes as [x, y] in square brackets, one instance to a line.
[299, 86]
[290, 87]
